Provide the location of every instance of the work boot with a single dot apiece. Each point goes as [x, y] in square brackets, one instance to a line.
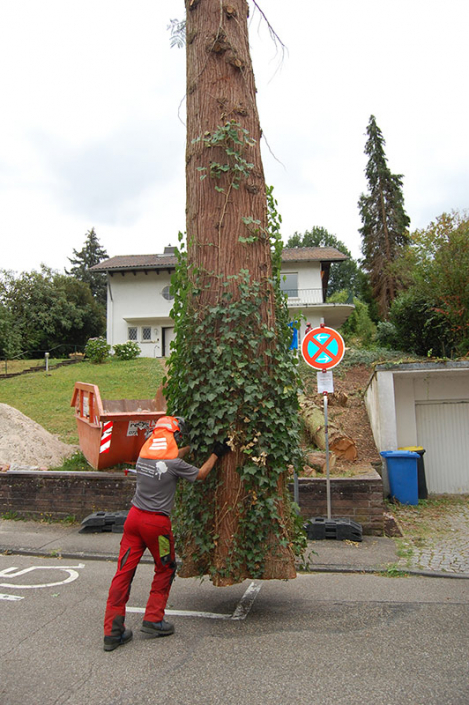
[112, 642]
[157, 628]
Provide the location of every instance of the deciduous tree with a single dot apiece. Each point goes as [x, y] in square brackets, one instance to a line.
[433, 314]
[50, 311]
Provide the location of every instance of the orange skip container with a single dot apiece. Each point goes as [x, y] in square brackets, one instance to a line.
[113, 431]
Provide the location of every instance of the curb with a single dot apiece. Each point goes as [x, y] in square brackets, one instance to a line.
[320, 568]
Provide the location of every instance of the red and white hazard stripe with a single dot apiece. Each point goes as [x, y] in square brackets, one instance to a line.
[106, 437]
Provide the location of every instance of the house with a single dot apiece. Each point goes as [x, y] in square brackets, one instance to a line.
[139, 301]
[424, 404]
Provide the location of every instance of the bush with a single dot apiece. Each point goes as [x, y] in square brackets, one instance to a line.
[97, 350]
[386, 335]
[127, 351]
[358, 330]
[421, 327]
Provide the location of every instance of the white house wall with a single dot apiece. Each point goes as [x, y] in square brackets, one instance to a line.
[404, 392]
[309, 275]
[380, 404]
[137, 300]
[444, 384]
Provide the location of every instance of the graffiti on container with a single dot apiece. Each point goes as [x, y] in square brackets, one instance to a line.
[135, 426]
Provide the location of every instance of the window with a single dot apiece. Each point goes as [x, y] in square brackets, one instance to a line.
[166, 294]
[146, 333]
[132, 333]
[289, 284]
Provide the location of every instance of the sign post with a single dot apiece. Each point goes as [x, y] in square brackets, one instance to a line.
[323, 348]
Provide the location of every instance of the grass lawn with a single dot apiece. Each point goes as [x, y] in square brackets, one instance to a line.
[46, 398]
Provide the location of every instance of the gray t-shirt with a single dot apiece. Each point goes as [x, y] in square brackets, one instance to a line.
[156, 483]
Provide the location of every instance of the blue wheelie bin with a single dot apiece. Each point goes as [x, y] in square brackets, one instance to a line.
[402, 475]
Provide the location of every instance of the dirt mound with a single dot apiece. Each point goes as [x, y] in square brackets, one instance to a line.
[351, 415]
[23, 442]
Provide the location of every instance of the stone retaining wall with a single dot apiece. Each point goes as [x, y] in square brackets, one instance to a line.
[358, 498]
[61, 494]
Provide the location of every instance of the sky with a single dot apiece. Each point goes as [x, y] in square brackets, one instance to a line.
[92, 116]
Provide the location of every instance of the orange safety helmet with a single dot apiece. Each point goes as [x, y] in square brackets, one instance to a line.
[174, 424]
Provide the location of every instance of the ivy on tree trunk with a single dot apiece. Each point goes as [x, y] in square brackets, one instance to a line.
[230, 372]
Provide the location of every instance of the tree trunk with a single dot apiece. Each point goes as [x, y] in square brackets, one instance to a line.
[226, 222]
[220, 89]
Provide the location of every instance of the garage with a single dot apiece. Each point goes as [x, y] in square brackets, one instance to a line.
[425, 404]
[443, 430]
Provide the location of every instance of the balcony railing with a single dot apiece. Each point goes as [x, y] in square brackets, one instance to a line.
[303, 297]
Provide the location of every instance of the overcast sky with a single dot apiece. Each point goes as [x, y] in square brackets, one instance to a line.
[92, 118]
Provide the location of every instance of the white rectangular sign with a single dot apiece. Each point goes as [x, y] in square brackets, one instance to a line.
[326, 382]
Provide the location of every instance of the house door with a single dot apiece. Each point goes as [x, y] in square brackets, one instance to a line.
[443, 430]
[168, 337]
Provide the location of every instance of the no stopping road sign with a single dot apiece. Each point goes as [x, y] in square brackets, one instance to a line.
[323, 348]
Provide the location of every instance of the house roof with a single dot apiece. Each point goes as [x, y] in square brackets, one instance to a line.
[123, 262]
[312, 254]
[169, 260]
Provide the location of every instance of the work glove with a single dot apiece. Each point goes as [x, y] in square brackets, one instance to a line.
[221, 449]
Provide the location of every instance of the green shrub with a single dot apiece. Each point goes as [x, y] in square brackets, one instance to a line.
[358, 330]
[97, 350]
[386, 335]
[127, 351]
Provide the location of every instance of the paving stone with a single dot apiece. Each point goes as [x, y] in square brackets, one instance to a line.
[448, 553]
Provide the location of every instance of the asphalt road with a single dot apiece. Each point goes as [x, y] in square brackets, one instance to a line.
[322, 639]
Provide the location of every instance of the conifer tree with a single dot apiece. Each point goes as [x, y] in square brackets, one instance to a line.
[91, 253]
[385, 222]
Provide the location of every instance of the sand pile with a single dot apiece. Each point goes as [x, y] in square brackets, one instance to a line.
[23, 442]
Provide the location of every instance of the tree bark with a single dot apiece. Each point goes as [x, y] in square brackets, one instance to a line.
[220, 215]
[221, 88]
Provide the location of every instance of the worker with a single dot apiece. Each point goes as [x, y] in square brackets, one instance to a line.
[148, 525]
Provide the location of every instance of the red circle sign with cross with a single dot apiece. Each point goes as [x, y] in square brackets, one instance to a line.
[323, 348]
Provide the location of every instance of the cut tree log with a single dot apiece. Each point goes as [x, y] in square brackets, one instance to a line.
[317, 461]
[339, 443]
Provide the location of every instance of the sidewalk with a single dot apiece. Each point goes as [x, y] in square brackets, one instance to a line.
[437, 539]
[441, 555]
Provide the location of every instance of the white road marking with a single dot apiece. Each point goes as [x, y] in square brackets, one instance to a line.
[247, 601]
[9, 573]
[13, 598]
[183, 613]
[241, 611]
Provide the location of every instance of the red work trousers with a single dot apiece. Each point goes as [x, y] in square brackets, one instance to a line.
[141, 530]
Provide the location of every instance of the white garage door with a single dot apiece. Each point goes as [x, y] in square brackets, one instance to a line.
[443, 430]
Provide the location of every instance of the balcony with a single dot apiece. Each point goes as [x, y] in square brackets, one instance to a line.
[298, 298]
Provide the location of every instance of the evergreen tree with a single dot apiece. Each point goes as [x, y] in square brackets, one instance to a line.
[343, 275]
[91, 253]
[385, 222]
